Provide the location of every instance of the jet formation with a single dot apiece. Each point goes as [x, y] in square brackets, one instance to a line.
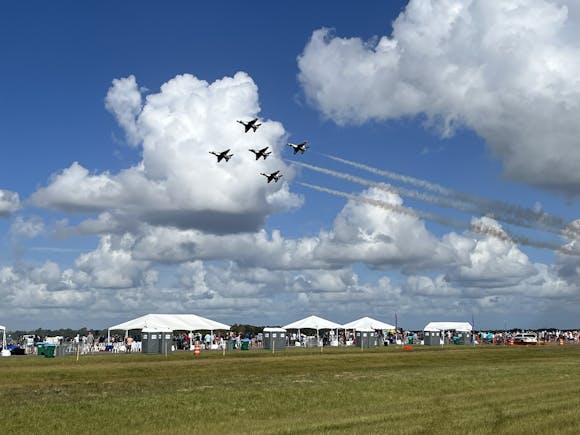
[264, 153]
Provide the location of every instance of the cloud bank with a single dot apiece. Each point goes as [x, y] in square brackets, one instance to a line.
[232, 278]
[507, 70]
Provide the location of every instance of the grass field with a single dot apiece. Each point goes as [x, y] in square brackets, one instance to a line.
[459, 389]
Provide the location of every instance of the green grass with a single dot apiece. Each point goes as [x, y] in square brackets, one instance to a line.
[432, 390]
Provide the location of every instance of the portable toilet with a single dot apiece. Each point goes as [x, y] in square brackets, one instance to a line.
[366, 338]
[274, 338]
[166, 343]
[432, 338]
[154, 341]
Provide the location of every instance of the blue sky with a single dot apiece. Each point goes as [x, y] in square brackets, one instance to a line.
[108, 111]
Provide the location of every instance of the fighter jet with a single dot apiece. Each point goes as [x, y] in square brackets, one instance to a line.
[272, 177]
[222, 155]
[261, 153]
[250, 124]
[299, 147]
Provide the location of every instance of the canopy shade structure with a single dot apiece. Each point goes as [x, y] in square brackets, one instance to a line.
[2, 328]
[367, 324]
[171, 322]
[313, 322]
[448, 326]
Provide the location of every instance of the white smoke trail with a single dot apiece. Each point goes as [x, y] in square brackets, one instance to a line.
[432, 199]
[391, 207]
[478, 227]
[399, 177]
[500, 210]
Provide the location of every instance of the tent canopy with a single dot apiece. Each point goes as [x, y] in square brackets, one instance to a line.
[171, 322]
[2, 327]
[367, 324]
[448, 326]
[313, 322]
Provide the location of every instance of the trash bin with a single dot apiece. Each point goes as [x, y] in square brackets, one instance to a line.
[40, 346]
[245, 344]
[15, 350]
[49, 350]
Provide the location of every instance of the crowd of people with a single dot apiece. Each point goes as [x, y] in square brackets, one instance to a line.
[544, 336]
[217, 341]
[231, 340]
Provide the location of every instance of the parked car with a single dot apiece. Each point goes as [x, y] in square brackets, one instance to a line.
[526, 338]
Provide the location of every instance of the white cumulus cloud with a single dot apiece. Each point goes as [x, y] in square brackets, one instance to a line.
[507, 69]
[9, 202]
[178, 182]
[27, 228]
[111, 265]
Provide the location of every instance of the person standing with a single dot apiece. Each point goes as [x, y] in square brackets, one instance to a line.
[90, 341]
[128, 343]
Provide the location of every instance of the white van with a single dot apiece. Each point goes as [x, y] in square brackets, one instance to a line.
[526, 338]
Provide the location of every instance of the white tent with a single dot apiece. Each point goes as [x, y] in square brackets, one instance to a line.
[448, 326]
[171, 322]
[367, 324]
[313, 322]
